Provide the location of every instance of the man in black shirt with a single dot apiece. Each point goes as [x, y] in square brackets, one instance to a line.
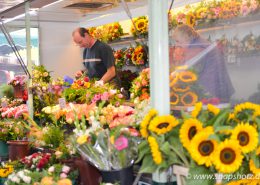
[98, 57]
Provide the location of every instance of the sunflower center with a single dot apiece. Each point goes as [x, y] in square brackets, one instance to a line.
[243, 138]
[163, 125]
[227, 156]
[140, 25]
[192, 132]
[206, 148]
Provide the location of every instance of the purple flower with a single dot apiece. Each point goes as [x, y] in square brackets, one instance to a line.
[121, 143]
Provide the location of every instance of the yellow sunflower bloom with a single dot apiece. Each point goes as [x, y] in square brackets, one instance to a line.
[197, 110]
[228, 157]
[231, 116]
[187, 76]
[188, 130]
[174, 98]
[245, 106]
[201, 148]
[190, 19]
[253, 168]
[144, 124]
[64, 182]
[163, 124]
[247, 136]
[189, 98]
[156, 153]
[214, 110]
[257, 113]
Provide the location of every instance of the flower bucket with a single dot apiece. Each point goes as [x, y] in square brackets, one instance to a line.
[123, 177]
[3, 150]
[18, 91]
[18, 149]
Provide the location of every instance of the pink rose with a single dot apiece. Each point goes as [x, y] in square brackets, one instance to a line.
[105, 96]
[121, 143]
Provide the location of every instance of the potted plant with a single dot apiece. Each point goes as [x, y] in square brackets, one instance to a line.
[18, 82]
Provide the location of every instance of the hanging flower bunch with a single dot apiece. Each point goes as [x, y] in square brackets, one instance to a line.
[140, 26]
[120, 57]
[140, 89]
[139, 55]
[182, 92]
[107, 32]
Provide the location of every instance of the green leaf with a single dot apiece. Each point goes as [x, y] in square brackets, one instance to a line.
[200, 175]
[222, 128]
[143, 149]
[148, 166]
[214, 137]
[221, 118]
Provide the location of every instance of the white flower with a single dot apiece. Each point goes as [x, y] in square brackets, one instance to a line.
[33, 166]
[20, 174]
[27, 179]
[58, 154]
[15, 179]
[51, 169]
[65, 169]
[63, 175]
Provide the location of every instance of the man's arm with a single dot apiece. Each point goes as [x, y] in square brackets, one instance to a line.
[111, 73]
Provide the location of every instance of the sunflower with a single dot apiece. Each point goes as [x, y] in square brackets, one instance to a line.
[156, 153]
[197, 110]
[187, 76]
[247, 136]
[190, 19]
[146, 121]
[174, 79]
[214, 110]
[257, 113]
[202, 149]
[188, 130]
[240, 182]
[139, 56]
[246, 106]
[228, 157]
[181, 88]
[163, 124]
[189, 98]
[174, 98]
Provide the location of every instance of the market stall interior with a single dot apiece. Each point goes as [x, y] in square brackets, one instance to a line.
[70, 128]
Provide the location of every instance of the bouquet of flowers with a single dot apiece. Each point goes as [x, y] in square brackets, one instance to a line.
[140, 26]
[18, 80]
[120, 57]
[36, 161]
[139, 55]
[140, 89]
[108, 148]
[12, 129]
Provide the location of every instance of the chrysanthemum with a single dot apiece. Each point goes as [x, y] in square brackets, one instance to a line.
[214, 110]
[163, 124]
[156, 153]
[201, 148]
[228, 157]
[247, 136]
[144, 124]
[197, 110]
[188, 130]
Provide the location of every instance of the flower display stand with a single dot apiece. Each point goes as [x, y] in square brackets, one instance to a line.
[3, 150]
[124, 176]
[18, 149]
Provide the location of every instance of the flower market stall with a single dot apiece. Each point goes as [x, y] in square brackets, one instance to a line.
[187, 111]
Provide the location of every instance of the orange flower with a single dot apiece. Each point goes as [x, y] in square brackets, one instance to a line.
[64, 182]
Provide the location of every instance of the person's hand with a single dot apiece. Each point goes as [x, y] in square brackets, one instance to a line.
[99, 83]
[78, 74]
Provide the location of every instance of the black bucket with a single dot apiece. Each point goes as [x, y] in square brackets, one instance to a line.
[123, 176]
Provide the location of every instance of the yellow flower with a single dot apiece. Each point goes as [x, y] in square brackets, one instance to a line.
[257, 113]
[231, 116]
[245, 106]
[201, 148]
[82, 139]
[187, 76]
[163, 124]
[64, 182]
[197, 110]
[47, 181]
[156, 153]
[112, 139]
[253, 168]
[247, 136]
[241, 182]
[144, 124]
[174, 98]
[189, 98]
[188, 130]
[190, 19]
[214, 110]
[228, 157]
[6, 170]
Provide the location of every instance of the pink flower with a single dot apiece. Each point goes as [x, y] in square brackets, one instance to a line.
[121, 143]
[65, 169]
[63, 175]
[105, 96]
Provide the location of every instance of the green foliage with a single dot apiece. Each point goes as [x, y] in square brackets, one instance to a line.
[53, 136]
[6, 91]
